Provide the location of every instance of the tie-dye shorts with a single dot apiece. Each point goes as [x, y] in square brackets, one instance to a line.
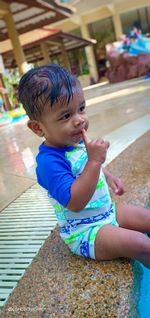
[84, 244]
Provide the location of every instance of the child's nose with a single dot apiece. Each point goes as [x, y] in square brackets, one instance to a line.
[78, 120]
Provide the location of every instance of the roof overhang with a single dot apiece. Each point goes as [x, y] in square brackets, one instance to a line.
[31, 41]
[29, 15]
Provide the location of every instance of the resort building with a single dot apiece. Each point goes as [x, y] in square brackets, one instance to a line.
[101, 20]
[105, 21]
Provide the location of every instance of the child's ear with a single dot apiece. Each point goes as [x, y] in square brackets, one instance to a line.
[35, 126]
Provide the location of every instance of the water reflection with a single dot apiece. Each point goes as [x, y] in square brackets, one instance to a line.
[28, 160]
[18, 148]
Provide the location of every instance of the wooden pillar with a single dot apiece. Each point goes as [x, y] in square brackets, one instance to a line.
[90, 53]
[17, 49]
[65, 56]
[45, 53]
[117, 26]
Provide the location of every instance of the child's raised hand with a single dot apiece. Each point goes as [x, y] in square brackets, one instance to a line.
[96, 149]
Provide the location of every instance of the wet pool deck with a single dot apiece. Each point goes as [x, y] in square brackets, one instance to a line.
[58, 284]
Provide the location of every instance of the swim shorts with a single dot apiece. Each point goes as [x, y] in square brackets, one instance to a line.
[84, 242]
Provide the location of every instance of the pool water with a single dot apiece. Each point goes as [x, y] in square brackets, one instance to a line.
[144, 297]
[141, 290]
[140, 294]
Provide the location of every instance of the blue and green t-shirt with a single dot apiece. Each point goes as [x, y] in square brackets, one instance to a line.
[57, 169]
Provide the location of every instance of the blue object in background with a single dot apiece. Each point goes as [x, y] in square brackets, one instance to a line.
[144, 299]
[140, 294]
[141, 45]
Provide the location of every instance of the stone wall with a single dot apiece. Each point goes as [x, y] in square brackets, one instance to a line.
[124, 66]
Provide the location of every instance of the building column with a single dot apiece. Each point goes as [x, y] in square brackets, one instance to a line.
[65, 56]
[17, 49]
[117, 25]
[90, 53]
[45, 53]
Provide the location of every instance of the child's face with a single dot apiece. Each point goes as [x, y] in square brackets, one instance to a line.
[62, 124]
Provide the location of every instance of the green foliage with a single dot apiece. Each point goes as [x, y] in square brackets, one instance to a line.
[78, 57]
[10, 78]
[103, 38]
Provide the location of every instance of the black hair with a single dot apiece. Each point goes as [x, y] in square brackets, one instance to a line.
[43, 86]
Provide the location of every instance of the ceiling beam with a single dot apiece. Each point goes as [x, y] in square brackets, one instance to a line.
[65, 10]
[23, 20]
[128, 5]
[28, 3]
[37, 25]
[54, 43]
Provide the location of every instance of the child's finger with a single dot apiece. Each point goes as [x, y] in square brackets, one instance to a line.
[85, 138]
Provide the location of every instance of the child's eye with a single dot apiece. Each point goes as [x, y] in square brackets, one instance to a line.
[65, 117]
[82, 108]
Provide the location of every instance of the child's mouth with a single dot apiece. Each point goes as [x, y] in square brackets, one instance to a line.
[77, 136]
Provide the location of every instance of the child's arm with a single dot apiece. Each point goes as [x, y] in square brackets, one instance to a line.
[114, 182]
[84, 186]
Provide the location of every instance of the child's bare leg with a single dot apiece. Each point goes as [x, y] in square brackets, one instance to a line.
[113, 242]
[133, 217]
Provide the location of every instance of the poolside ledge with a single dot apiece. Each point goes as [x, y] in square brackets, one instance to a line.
[60, 285]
